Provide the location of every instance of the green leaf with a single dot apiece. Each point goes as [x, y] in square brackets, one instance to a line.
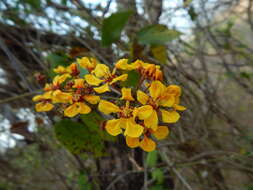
[36, 4]
[158, 176]
[83, 182]
[93, 121]
[113, 26]
[157, 187]
[250, 187]
[82, 70]
[157, 34]
[192, 13]
[64, 2]
[245, 75]
[151, 159]
[77, 138]
[132, 79]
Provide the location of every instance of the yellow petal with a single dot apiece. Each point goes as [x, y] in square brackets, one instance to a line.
[92, 99]
[78, 83]
[108, 107]
[167, 100]
[113, 127]
[102, 70]
[87, 63]
[102, 89]
[132, 129]
[123, 64]
[126, 94]
[138, 63]
[174, 89]
[158, 75]
[48, 87]
[161, 132]
[144, 112]
[152, 121]
[135, 113]
[48, 94]
[147, 144]
[156, 89]
[72, 67]
[43, 106]
[132, 142]
[179, 108]
[142, 97]
[61, 97]
[38, 98]
[119, 78]
[72, 110]
[60, 69]
[170, 116]
[60, 79]
[92, 80]
[83, 108]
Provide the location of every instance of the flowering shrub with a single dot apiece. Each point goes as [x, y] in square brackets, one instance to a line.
[141, 113]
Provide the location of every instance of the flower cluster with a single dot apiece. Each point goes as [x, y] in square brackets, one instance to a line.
[141, 113]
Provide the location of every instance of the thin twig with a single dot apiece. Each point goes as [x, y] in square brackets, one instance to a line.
[18, 97]
[169, 163]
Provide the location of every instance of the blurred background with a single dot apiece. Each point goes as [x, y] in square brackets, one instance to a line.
[205, 46]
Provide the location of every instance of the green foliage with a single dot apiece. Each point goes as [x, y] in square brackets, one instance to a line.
[82, 70]
[246, 75]
[78, 138]
[36, 4]
[151, 159]
[192, 13]
[113, 26]
[93, 121]
[64, 2]
[157, 187]
[158, 176]
[157, 34]
[83, 182]
[132, 79]
[250, 187]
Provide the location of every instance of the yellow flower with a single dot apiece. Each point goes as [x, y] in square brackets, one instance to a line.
[43, 106]
[126, 120]
[59, 79]
[126, 94]
[73, 69]
[78, 83]
[160, 96]
[60, 70]
[80, 95]
[88, 63]
[44, 102]
[77, 108]
[147, 70]
[102, 74]
[147, 144]
[61, 97]
[123, 65]
[132, 142]
[161, 132]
